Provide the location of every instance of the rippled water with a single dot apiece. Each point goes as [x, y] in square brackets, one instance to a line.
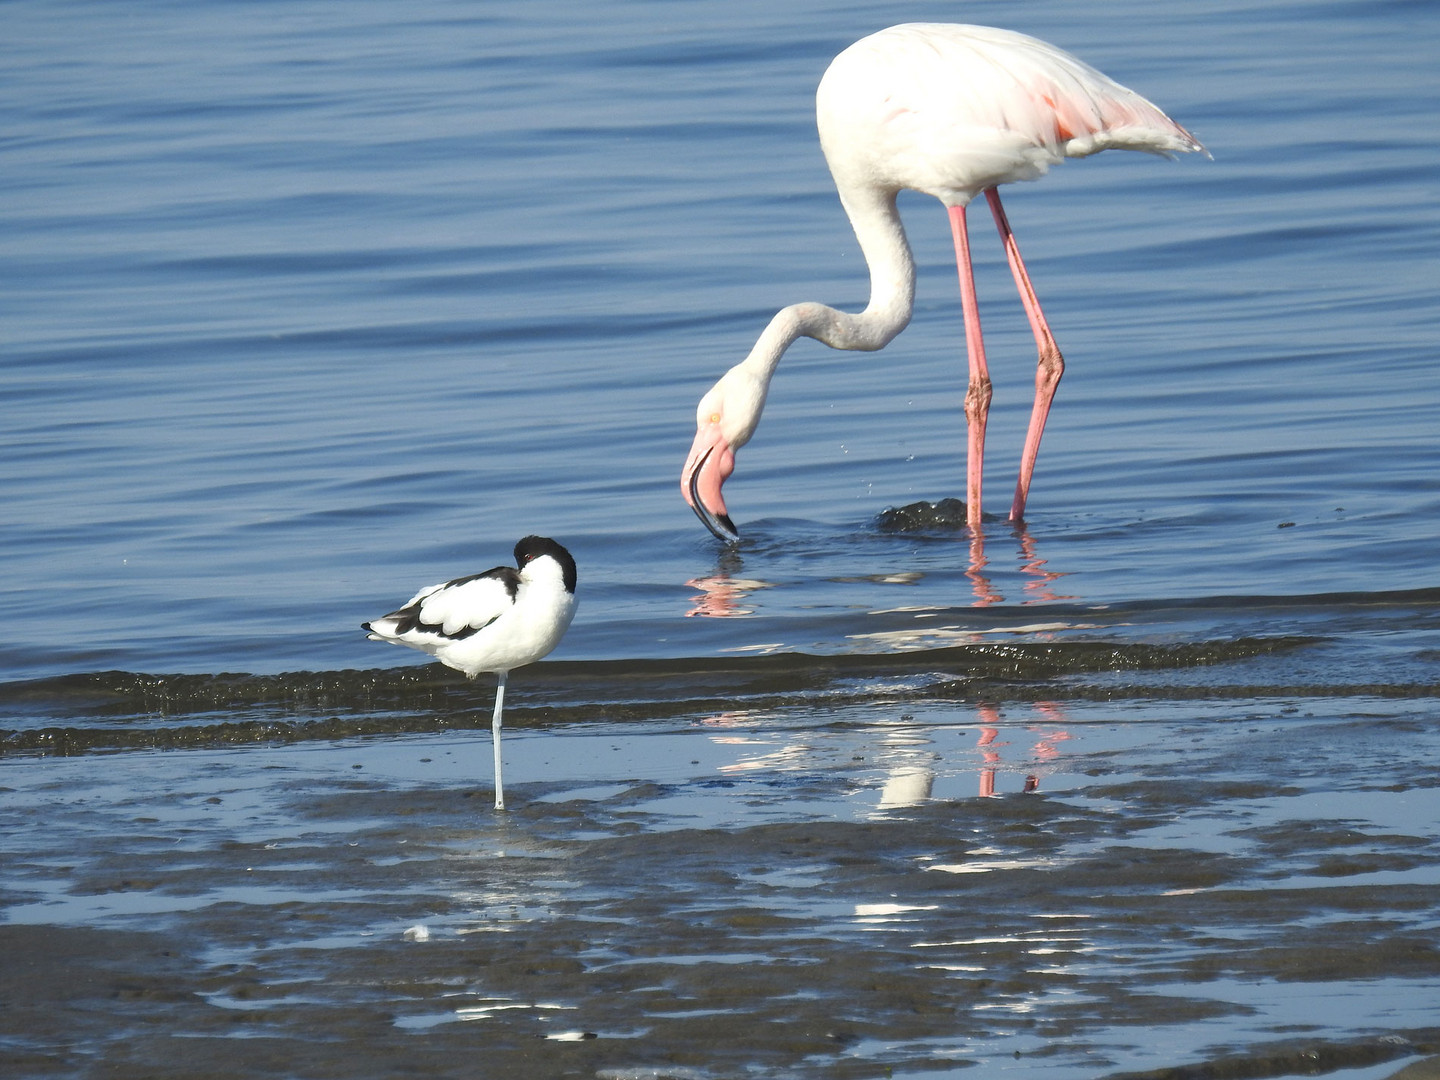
[309, 305]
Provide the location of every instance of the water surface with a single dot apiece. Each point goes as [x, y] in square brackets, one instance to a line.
[309, 305]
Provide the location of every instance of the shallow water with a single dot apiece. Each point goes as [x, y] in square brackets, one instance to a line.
[1055, 888]
[308, 306]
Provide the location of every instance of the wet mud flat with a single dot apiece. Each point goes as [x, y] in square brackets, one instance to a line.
[1231, 888]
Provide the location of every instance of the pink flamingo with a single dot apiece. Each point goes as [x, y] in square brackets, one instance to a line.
[951, 111]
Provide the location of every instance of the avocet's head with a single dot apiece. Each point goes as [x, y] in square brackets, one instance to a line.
[537, 553]
[724, 421]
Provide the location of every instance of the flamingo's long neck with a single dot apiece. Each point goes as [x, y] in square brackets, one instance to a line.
[892, 291]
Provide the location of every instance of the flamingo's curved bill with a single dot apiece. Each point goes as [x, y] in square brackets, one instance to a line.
[719, 524]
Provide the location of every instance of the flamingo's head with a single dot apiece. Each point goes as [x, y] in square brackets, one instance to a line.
[724, 421]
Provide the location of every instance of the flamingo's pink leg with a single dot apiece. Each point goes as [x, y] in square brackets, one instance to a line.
[977, 396]
[1051, 365]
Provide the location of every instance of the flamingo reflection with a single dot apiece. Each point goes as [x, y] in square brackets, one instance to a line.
[908, 753]
[723, 594]
[1038, 587]
[980, 585]
[989, 744]
[726, 595]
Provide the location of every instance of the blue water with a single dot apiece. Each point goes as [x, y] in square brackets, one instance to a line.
[308, 305]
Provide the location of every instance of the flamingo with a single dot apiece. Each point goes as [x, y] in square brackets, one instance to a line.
[951, 111]
[493, 621]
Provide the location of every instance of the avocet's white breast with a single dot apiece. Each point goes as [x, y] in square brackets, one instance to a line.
[529, 629]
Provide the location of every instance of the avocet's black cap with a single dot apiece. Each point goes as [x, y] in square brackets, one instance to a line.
[533, 547]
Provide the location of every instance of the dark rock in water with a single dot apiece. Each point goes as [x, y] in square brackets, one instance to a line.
[946, 515]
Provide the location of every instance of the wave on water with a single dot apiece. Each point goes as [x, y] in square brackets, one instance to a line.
[1226, 647]
[116, 710]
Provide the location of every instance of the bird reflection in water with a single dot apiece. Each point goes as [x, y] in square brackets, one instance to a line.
[990, 745]
[906, 752]
[1039, 582]
[725, 595]
[906, 786]
[950, 517]
[722, 594]
[1037, 587]
[985, 593]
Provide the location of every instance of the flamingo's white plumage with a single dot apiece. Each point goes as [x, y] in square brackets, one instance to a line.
[491, 622]
[952, 111]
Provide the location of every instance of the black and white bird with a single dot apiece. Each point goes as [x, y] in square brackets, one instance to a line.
[495, 621]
